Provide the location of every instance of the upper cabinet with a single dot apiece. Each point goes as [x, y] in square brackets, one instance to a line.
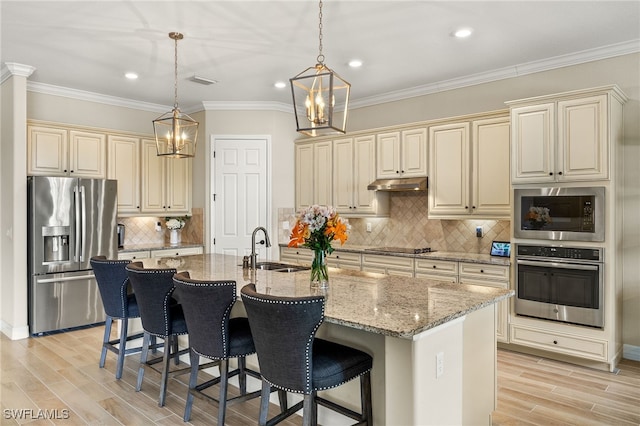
[124, 166]
[66, 151]
[469, 169]
[314, 166]
[166, 182]
[565, 137]
[354, 168]
[402, 154]
[304, 175]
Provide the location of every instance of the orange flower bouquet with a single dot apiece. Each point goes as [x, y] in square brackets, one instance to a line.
[316, 227]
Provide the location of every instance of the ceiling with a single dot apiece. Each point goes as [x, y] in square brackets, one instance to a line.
[406, 46]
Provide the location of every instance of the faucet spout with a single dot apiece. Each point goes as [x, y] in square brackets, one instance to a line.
[267, 242]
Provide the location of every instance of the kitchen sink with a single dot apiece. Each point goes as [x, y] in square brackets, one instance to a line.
[280, 267]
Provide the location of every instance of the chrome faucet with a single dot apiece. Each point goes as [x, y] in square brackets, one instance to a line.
[254, 256]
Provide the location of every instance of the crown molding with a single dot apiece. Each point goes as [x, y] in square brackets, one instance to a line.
[247, 106]
[12, 68]
[620, 49]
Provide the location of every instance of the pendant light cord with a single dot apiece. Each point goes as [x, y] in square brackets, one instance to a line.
[175, 81]
[320, 57]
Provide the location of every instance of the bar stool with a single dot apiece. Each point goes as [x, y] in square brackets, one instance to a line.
[292, 359]
[161, 317]
[214, 335]
[113, 284]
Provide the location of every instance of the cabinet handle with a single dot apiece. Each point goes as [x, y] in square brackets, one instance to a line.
[466, 207]
[398, 171]
[337, 257]
[434, 266]
[402, 171]
[550, 173]
[65, 170]
[473, 207]
[560, 173]
[555, 342]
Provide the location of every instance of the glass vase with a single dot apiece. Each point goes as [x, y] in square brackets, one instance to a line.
[319, 271]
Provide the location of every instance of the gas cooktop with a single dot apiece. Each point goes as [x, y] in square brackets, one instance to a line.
[401, 250]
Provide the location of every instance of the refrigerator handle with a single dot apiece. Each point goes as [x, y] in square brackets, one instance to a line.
[84, 223]
[76, 204]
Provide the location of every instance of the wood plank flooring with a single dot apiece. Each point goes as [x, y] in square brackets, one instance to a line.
[57, 377]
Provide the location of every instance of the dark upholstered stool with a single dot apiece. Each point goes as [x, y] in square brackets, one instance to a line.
[214, 335]
[113, 284]
[292, 359]
[161, 316]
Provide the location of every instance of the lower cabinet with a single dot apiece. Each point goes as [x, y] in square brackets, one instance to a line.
[298, 256]
[390, 265]
[345, 260]
[132, 255]
[176, 252]
[444, 270]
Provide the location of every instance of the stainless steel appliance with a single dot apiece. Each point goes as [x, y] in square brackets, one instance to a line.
[560, 283]
[69, 220]
[121, 230]
[570, 214]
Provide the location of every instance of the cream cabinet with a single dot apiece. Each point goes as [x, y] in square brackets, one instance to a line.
[469, 169]
[402, 154]
[186, 251]
[304, 175]
[298, 256]
[389, 265]
[66, 151]
[166, 182]
[345, 260]
[444, 270]
[354, 167]
[313, 168]
[132, 255]
[566, 137]
[490, 276]
[124, 166]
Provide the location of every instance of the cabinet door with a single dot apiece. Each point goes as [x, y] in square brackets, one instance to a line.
[124, 166]
[413, 153]
[364, 172]
[322, 179]
[88, 154]
[178, 185]
[532, 133]
[47, 151]
[449, 169]
[491, 189]
[388, 155]
[304, 176]
[153, 179]
[583, 149]
[343, 176]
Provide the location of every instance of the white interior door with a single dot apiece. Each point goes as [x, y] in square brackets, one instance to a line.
[240, 201]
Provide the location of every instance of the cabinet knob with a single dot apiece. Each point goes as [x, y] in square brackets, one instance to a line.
[466, 207]
[482, 271]
[473, 207]
[555, 342]
[560, 173]
[434, 266]
[398, 171]
[550, 173]
[402, 171]
[65, 170]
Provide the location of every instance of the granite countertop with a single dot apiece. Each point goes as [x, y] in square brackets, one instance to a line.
[437, 255]
[155, 246]
[388, 305]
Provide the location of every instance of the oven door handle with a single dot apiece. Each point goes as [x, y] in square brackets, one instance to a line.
[559, 265]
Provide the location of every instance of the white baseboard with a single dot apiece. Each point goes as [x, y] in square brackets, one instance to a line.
[14, 333]
[631, 352]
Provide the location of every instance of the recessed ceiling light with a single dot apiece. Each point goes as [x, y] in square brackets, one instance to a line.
[355, 63]
[131, 75]
[280, 84]
[463, 32]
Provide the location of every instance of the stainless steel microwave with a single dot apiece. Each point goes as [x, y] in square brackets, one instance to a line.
[571, 214]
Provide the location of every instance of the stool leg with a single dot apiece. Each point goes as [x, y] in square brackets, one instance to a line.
[224, 381]
[166, 359]
[242, 375]
[176, 359]
[193, 381]
[122, 349]
[365, 398]
[264, 403]
[309, 410]
[144, 353]
[105, 341]
[282, 397]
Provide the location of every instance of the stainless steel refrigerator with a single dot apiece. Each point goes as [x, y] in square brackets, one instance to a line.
[70, 220]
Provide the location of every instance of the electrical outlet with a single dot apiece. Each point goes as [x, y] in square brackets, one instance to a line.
[158, 227]
[368, 226]
[285, 225]
[439, 364]
[479, 231]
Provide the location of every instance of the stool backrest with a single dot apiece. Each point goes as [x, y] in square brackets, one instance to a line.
[113, 282]
[153, 289]
[206, 306]
[283, 330]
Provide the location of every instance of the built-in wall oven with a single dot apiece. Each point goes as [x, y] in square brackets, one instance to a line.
[560, 283]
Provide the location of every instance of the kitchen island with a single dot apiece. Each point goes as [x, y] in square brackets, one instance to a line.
[433, 342]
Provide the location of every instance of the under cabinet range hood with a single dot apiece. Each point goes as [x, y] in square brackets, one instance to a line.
[404, 184]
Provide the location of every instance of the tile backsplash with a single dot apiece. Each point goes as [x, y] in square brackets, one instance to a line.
[142, 230]
[408, 226]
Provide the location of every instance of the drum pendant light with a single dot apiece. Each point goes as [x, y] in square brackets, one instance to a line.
[176, 133]
[320, 97]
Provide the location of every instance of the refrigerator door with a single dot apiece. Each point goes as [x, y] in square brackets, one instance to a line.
[51, 225]
[59, 301]
[96, 209]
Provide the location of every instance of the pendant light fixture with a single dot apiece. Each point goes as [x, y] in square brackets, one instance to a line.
[176, 133]
[320, 97]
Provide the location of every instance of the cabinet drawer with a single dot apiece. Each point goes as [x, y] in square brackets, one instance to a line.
[176, 252]
[437, 267]
[131, 255]
[484, 271]
[452, 278]
[559, 342]
[484, 282]
[388, 261]
[345, 260]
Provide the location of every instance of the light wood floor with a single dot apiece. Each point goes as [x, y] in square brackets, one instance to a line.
[59, 374]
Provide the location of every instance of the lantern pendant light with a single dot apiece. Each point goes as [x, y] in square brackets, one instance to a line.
[176, 133]
[320, 97]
